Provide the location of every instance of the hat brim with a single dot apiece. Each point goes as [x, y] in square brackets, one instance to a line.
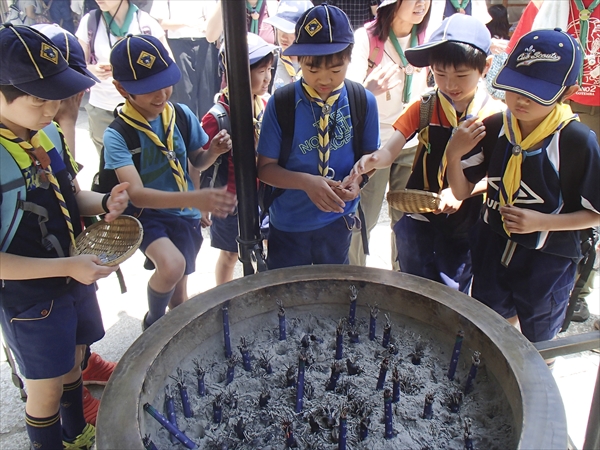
[539, 91]
[59, 86]
[281, 24]
[315, 49]
[260, 53]
[168, 77]
[85, 71]
[419, 56]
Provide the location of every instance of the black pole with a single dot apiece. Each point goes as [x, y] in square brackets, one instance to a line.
[242, 132]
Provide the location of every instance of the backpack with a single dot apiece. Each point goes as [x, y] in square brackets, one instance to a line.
[285, 108]
[106, 179]
[94, 18]
[13, 191]
[216, 175]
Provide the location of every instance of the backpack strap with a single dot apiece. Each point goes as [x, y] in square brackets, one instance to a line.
[286, 116]
[93, 23]
[426, 107]
[181, 122]
[375, 48]
[572, 148]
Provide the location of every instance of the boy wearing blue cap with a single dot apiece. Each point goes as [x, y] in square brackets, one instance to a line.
[435, 244]
[161, 191]
[311, 221]
[48, 306]
[542, 168]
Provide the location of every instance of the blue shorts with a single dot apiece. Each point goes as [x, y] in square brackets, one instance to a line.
[185, 233]
[438, 255]
[223, 233]
[535, 286]
[43, 336]
[327, 245]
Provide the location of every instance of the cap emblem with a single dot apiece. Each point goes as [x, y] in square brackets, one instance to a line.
[530, 56]
[146, 60]
[49, 53]
[313, 27]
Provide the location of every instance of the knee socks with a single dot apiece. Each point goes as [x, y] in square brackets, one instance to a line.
[71, 409]
[157, 304]
[44, 432]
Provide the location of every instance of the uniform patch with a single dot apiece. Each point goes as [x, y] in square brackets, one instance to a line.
[49, 53]
[313, 27]
[146, 60]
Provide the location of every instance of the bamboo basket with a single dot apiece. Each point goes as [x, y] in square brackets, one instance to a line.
[413, 201]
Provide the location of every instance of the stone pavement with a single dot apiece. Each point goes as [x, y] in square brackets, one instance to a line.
[122, 314]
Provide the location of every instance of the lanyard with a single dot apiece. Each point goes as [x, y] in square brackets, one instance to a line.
[460, 5]
[254, 15]
[408, 69]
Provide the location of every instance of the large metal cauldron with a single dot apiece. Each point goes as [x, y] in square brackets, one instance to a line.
[143, 371]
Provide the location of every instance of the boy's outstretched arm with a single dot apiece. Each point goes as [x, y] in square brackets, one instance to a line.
[90, 203]
[202, 159]
[319, 189]
[465, 138]
[219, 202]
[523, 221]
[382, 158]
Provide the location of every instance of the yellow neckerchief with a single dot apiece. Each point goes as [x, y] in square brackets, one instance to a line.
[258, 110]
[36, 152]
[134, 119]
[560, 116]
[475, 108]
[289, 67]
[326, 108]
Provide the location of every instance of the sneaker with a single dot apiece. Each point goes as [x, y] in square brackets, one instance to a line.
[90, 406]
[84, 441]
[98, 371]
[581, 312]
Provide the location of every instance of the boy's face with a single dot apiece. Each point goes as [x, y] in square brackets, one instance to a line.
[27, 113]
[325, 78]
[458, 83]
[285, 39]
[525, 110]
[149, 105]
[260, 77]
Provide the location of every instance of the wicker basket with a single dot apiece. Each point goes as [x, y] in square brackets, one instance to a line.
[113, 242]
[413, 201]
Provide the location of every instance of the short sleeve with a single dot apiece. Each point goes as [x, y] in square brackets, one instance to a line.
[197, 136]
[408, 122]
[210, 126]
[116, 153]
[357, 70]
[371, 139]
[476, 162]
[269, 142]
[82, 30]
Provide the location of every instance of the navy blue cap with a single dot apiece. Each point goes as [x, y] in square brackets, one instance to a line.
[456, 28]
[142, 65]
[322, 30]
[68, 45]
[542, 65]
[288, 14]
[33, 64]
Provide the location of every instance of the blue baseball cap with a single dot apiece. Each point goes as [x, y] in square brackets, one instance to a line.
[33, 64]
[68, 45]
[321, 30]
[288, 14]
[542, 65]
[460, 28]
[142, 65]
[258, 48]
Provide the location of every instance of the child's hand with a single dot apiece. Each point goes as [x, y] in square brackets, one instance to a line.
[365, 164]
[69, 110]
[319, 190]
[448, 203]
[350, 187]
[522, 221]
[221, 143]
[219, 202]
[87, 269]
[465, 137]
[117, 202]
[205, 221]
[380, 79]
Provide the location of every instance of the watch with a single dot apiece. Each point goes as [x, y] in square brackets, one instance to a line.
[365, 180]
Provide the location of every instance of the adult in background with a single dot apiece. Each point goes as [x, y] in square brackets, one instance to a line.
[61, 14]
[116, 19]
[499, 26]
[256, 13]
[358, 11]
[398, 25]
[185, 25]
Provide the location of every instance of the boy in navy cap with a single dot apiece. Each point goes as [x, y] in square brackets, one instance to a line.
[48, 306]
[435, 245]
[311, 222]
[542, 168]
[161, 191]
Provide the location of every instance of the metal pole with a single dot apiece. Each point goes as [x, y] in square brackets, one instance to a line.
[242, 132]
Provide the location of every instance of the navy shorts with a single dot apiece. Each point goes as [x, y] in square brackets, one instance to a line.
[326, 245]
[184, 232]
[535, 286]
[427, 252]
[223, 233]
[43, 336]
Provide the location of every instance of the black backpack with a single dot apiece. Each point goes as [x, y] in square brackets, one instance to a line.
[106, 179]
[216, 175]
[286, 112]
